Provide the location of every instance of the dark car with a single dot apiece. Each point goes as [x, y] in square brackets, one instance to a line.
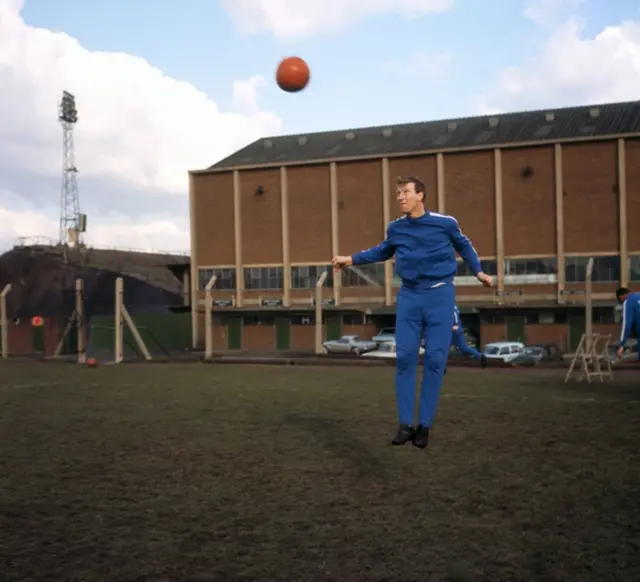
[529, 356]
[533, 354]
[551, 351]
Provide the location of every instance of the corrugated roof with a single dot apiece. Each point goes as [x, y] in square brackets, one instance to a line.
[43, 280]
[488, 131]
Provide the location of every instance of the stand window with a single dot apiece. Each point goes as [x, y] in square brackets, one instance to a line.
[489, 266]
[306, 277]
[226, 279]
[263, 278]
[634, 268]
[605, 269]
[364, 275]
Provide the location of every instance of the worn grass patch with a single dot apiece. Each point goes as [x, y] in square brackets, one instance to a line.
[198, 472]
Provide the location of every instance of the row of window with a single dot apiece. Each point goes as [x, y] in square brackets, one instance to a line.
[605, 270]
[294, 319]
[600, 316]
[266, 278]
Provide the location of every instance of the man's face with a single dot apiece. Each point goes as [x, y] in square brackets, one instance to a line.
[622, 298]
[408, 199]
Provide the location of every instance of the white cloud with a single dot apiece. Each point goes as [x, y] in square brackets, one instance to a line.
[572, 69]
[25, 222]
[291, 19]
[549, 12]
[21, 220]
[137, 127]
[420, 63]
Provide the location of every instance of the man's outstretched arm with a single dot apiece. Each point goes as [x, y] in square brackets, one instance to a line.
[382, 252]
[465, 249]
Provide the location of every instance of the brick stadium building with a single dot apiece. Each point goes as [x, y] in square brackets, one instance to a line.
[537, 192]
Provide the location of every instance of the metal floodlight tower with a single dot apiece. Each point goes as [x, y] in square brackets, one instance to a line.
[70, 218]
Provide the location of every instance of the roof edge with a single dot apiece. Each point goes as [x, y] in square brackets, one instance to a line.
[406, 124]
[432, 151]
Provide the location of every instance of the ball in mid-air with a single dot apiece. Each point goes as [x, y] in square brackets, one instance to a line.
[293, 74]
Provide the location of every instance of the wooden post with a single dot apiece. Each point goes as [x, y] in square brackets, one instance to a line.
[135, 333]
[4, 329]
[119, 352]
[588, 305]
[208, 315]
[122, 314]
[318, 330]
[80, 323]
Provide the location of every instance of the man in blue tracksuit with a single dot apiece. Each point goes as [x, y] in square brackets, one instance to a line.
[458, 340]
[424, 244]
[630, 318]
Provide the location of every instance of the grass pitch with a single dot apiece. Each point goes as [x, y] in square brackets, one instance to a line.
[201, 472]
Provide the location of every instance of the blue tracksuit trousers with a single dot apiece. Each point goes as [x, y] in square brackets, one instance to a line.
[422, 313]
[460, 342]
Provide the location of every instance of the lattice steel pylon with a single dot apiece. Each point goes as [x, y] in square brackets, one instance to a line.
[69, 201]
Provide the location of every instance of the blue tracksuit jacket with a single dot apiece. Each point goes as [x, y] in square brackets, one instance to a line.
[425, 250]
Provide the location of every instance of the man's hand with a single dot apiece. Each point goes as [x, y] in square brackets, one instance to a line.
[620, 352]
[455, 328]
[486, 280]
[340, 261]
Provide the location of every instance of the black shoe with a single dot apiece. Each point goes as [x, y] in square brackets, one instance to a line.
[404, 435]
[445, 371]
[421, 437]
[483, 361]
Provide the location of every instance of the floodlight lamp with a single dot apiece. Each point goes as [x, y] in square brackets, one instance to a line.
[67, 110]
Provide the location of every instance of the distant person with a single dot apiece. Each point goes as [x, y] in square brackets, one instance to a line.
[459, 341]
[630, 318]
[424, 244]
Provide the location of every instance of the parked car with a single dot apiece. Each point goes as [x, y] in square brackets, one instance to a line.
[533, 354]
[386, 334]
[503, 351]
[551, 352]
[386, 350]
[529, 356]
[349, 344]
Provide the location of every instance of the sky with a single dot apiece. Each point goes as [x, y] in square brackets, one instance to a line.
[164, 87]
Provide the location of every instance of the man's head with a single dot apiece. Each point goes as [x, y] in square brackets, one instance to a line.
[622, 293]
[410, 193]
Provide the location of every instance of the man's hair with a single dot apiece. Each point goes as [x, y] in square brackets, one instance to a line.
[621, 292]
[417, 183]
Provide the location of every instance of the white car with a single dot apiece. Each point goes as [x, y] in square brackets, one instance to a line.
[386, 334]
[348, 344]
[503, 351]
[386, 350]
